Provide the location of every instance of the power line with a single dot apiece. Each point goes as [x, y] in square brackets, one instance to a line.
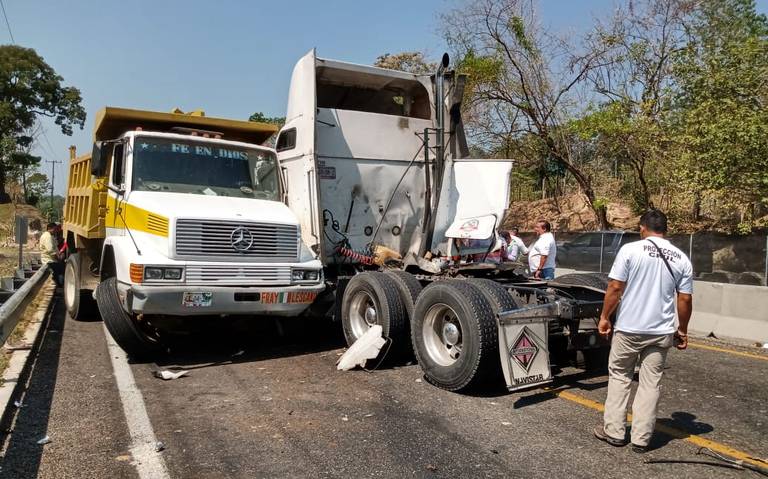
[7, 22]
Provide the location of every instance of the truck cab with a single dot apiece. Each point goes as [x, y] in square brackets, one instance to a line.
[189, 220]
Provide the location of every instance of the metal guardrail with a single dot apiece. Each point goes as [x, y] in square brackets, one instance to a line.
[11, 310]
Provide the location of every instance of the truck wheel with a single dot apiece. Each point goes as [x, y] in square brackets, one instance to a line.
[80, 304]
[373, 298]
[455, 337]
[496, 294]
[408, 287]
[592, 280]
[138, 343]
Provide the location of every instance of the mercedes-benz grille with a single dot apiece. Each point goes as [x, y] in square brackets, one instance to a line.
[195, 238]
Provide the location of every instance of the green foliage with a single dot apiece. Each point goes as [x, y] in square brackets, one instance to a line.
[262, 118]
[722, 119]
[411, 62]
[37, 187]
[52, 213]
[29, 88]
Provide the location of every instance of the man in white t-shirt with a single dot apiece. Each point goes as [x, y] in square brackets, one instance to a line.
[515, 246]
[541, 255]
[654, 277]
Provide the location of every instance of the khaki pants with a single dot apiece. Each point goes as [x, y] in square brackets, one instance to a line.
[627, 350]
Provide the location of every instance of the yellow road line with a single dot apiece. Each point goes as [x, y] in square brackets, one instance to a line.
[671, 431]
[728, 351]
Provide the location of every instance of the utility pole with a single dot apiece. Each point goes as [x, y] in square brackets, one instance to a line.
[53, 178]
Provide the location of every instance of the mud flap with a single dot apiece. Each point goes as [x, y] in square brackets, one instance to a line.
[524, 346]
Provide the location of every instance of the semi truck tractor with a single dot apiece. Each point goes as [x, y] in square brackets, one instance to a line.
[178, 215]
[379, 175]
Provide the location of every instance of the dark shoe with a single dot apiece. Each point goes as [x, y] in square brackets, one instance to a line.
[639, 449]
[600, 434]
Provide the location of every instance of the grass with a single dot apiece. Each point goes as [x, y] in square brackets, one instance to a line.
[17, 336]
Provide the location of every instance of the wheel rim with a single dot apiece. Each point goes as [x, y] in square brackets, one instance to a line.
[443, 338]
[362, 313]
[69, 286]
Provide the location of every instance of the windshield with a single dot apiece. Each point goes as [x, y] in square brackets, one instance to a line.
[204, 168]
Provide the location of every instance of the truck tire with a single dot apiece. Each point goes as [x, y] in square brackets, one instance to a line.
[137, 343]
[496, 294]
[408, 287]
[373, 298]
[80, 304]
[592, 280]
[455, 337]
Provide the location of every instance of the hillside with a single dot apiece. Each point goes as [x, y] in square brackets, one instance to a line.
[567, 213]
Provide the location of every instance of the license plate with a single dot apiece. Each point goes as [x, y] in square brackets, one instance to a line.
[293, 297]
[197, 300]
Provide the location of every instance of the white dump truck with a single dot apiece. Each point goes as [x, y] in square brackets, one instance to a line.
[377, 171]
[174, 215]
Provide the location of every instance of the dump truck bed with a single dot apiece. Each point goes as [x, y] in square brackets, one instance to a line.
[84, 207]
[112, 122]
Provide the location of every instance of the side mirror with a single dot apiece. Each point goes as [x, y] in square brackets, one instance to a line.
[99, 158]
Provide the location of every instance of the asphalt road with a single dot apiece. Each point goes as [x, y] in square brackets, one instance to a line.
[266, 401]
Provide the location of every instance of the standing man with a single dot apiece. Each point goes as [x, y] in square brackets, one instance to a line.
[541, 256]
[653, 276]
[49, 253]
[515, 246]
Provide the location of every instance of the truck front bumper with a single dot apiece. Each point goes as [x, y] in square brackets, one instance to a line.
[229, 300]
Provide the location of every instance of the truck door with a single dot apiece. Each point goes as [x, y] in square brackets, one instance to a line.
[115, 199]
[296, 150]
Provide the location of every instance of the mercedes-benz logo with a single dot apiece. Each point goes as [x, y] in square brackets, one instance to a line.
[241, 239]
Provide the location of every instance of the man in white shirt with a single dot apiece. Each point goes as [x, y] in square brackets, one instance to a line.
[653, 276]
[541, 256]
[515, 246]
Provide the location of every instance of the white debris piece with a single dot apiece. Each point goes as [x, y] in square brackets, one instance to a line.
[44, 440]
[18, 404]
[366, 347]
[168, 375]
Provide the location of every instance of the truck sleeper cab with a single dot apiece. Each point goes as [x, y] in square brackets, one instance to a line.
[376, 163]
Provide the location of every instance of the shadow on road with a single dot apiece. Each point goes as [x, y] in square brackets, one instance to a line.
[680, 425]
[22, 454]
[221, 341]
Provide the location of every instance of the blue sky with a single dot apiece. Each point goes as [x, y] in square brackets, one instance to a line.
[228, 58]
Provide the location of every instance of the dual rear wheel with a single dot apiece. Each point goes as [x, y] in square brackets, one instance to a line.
[449, 326]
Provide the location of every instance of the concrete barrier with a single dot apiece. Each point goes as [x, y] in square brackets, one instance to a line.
[728, 311]
[733, 311]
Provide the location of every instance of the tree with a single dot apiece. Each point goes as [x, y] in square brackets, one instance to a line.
[633, 84]
[722, 121]
[29, 89]
[523, 81]
[411, 62]
[37, 188]
[55, 212]
[279, 121]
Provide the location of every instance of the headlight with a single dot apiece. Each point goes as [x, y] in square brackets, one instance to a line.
[311, 275]
[305, 275]
[172, 273]
[153, 273]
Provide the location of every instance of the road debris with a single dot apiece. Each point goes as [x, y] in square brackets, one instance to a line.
[239, 353]
[418, 380]
[44, 440]
[166, 375]
[431, 467]
[505, 423]
[344, 418]
[366, 347]
[159, 446]
[18, 404]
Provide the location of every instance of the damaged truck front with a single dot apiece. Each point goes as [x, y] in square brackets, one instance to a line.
[378, 173]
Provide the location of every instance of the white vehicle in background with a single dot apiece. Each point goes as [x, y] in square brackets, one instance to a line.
[376, 168]
[176, 215]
